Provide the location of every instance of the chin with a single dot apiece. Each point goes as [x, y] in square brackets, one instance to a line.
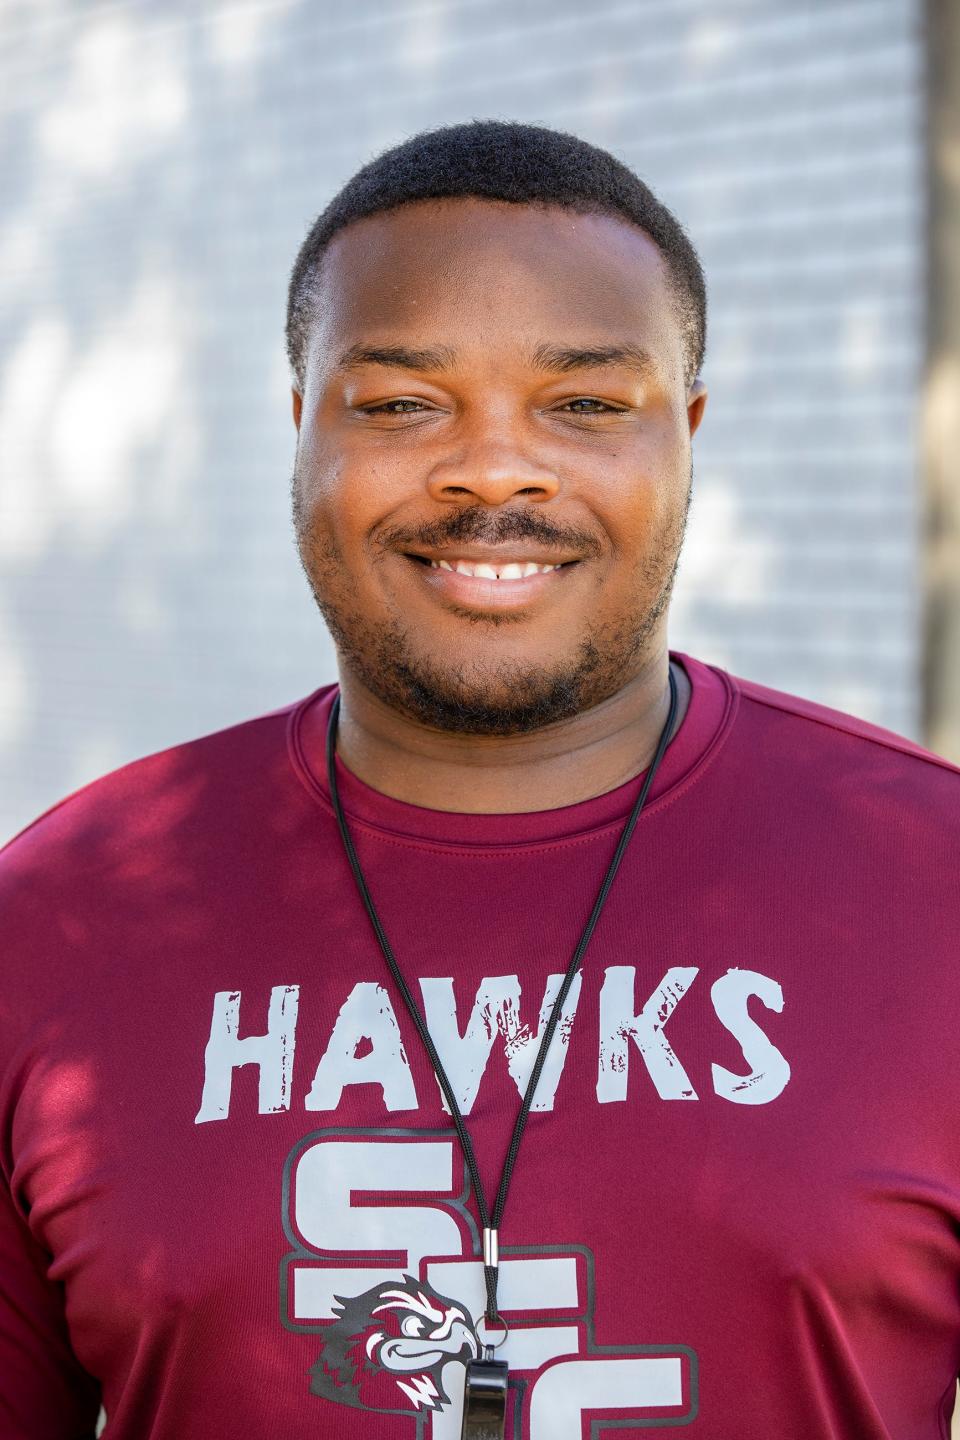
[485, 695]
[489, 713]
[502, 702]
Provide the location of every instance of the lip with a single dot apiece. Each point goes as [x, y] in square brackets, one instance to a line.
[477, 555]
[475, 592]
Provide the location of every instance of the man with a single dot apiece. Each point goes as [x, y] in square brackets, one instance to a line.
[250, 1170]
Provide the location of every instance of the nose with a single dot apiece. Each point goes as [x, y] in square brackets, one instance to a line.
[491, 470]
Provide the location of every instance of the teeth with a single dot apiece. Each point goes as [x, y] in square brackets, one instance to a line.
[513, 571]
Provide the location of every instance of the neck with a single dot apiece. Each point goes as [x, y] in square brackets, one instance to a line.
[561, 764]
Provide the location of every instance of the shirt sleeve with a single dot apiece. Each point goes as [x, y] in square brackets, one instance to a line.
[45, 1394]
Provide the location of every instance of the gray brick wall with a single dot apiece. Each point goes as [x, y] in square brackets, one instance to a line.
[159, 166]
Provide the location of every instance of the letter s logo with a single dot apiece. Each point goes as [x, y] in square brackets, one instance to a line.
[368, 1209]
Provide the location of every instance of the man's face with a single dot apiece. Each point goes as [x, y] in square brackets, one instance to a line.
[493, 384]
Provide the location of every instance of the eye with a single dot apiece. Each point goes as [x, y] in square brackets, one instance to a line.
[394, 407]
[589, 405]
[412, 1326]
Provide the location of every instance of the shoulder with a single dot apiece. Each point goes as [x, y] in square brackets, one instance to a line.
[92, 891]
[195, 783]
[91, 886]
[832, 728]
[842, 759]
[835, 726]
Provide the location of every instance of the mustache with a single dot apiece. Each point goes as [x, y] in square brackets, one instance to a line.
[477, 523]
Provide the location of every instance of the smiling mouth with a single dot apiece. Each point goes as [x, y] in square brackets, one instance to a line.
[492, 570]
[514, 583]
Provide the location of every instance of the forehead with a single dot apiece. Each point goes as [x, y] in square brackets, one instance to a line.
[486, 276]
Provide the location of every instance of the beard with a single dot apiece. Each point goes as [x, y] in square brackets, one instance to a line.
[496, 698]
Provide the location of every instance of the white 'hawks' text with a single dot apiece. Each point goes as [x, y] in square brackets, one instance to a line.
[366, 1048]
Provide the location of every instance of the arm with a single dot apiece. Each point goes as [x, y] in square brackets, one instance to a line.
[45, 1394]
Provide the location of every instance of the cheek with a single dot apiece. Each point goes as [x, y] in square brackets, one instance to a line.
[329, 500]
[320, 468]
[634, 505]
[658, 501]
[643, 474]
[347, 492]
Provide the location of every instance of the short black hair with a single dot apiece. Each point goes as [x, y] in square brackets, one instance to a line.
[521, 164]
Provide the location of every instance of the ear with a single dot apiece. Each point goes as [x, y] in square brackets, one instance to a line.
[696, 404]
[297, 407]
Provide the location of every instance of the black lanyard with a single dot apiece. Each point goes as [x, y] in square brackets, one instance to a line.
[490, 1220]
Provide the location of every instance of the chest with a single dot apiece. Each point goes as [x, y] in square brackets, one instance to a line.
[251, 1154]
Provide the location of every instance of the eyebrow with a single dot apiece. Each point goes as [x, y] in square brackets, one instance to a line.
[556, 358]
[591, 357]
[397, 357]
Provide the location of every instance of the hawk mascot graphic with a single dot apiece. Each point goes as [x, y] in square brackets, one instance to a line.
[387, 1348]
